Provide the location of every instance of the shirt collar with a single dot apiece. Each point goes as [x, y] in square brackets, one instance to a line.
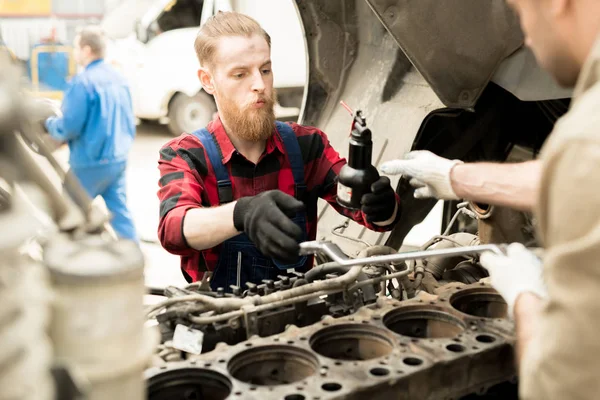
[96, 61]
[228, 149]
[590, 72]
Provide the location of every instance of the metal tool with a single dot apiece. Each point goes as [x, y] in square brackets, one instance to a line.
[356, 177]
[332, 251]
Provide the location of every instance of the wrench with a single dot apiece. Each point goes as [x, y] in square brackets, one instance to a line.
[335, 253]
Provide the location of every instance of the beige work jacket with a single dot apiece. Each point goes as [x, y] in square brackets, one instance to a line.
[563, 360]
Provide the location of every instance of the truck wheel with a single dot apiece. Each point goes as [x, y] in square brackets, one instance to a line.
[187, 114]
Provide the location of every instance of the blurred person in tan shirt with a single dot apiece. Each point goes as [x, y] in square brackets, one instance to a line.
[555, 302]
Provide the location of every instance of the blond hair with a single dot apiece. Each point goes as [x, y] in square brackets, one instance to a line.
[224, 24]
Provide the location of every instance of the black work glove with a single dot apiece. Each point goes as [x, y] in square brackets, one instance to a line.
[266, 219]
[379, 205]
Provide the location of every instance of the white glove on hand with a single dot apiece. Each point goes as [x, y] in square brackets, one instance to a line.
[430, 173]
[520, 271]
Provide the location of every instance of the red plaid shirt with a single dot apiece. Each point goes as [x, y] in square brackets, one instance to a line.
[188, 181]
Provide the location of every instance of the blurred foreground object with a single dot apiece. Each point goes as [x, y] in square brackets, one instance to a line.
[99, 346]
[40, 110]
[97, 323]
[20, 127]
[26, 352]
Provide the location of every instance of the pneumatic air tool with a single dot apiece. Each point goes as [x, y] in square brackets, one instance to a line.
[356, 177]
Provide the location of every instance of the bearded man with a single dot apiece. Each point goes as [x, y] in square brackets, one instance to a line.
[238, 196]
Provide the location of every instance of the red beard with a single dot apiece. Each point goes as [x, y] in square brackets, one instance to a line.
[247, 122]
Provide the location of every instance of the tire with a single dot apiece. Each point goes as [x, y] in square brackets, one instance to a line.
[187, 114]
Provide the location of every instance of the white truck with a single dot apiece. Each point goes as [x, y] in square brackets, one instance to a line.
[152, 43]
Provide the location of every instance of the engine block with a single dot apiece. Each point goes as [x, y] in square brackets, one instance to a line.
[442, 346]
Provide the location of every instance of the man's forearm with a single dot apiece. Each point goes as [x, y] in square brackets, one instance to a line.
[514, 185]
[527, 309]
[204, 228]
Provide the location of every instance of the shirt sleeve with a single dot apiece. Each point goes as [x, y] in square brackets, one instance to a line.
[562, 360]
[329, 166]
[74, 108]
[180, 189]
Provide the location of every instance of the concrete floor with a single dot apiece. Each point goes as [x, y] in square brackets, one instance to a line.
[162, 268]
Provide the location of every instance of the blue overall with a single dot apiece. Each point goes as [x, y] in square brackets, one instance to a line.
[99, 125]
[240, 261]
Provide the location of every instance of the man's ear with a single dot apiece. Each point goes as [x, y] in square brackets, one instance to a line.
[206, 80]
[87, 51]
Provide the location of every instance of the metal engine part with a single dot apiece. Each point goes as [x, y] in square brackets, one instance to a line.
[486, 32]
[333, 336]
[98, 283]
[25, 349]
[502, 224]
[330, 289]
[26, 352]
[450, 345]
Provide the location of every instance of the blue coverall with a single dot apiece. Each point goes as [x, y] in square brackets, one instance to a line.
[99, 126]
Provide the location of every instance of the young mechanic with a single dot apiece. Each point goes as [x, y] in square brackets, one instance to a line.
[238, 196]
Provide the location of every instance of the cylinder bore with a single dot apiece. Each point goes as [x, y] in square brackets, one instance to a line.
[423, 323]
[480, 302]
[273, 365]
[188, 384]
[352, 342]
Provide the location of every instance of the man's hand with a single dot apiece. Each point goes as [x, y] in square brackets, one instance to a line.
[380, 204]
[520, 271]
[41, 109]
[266, 219]
[430, 174]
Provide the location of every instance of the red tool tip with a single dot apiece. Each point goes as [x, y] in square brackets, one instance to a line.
[347, 107]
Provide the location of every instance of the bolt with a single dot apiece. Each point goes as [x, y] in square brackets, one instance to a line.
[269, 282]
[252, 289]
[261, 289]
[237, 291]
[473, 327]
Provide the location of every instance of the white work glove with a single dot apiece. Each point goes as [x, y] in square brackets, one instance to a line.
[517, 272]
[430, 174]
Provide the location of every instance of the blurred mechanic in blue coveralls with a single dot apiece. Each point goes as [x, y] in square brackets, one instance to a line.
[99, 126]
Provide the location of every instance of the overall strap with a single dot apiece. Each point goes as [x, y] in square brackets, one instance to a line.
[221, 173]
[290, 142]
